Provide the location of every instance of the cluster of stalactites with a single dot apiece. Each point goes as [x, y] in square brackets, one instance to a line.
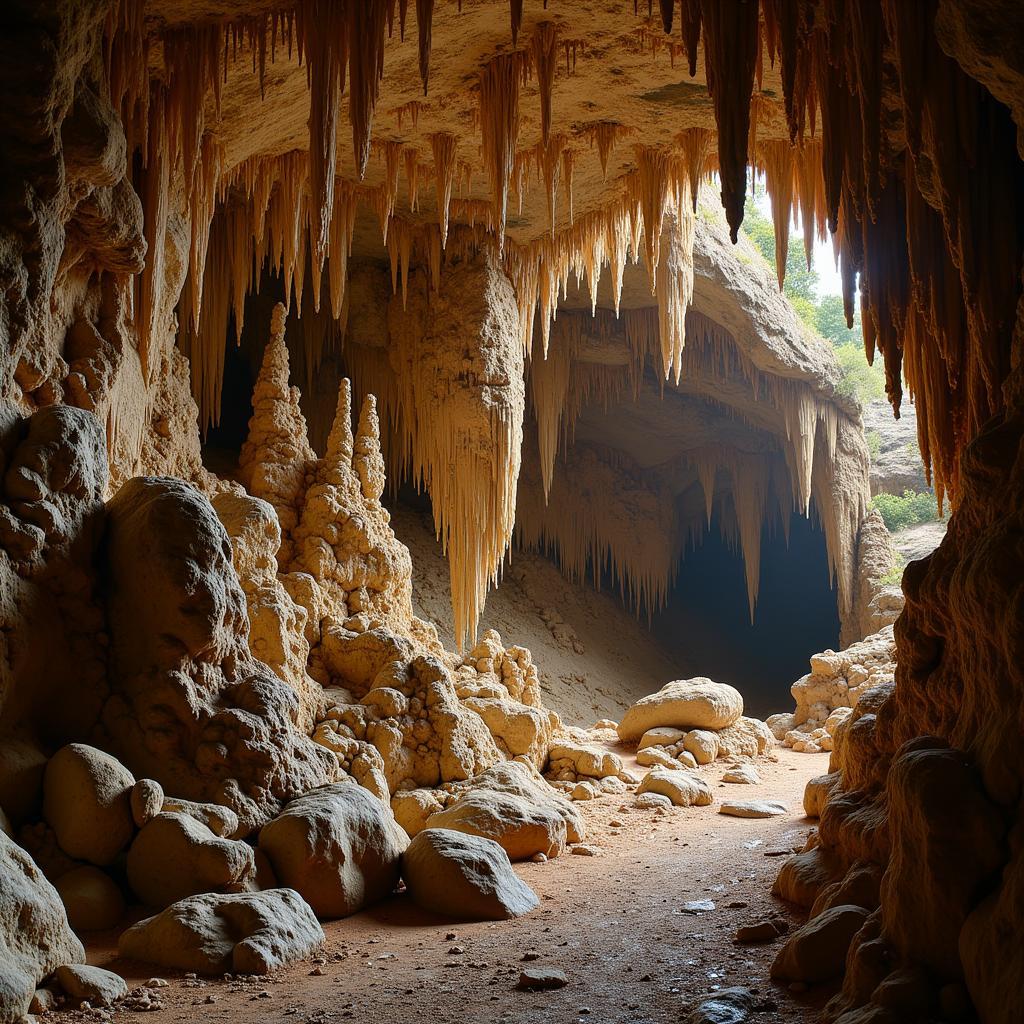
[564, 382]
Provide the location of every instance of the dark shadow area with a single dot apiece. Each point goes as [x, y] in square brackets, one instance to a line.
[224, 441]
[706, 623]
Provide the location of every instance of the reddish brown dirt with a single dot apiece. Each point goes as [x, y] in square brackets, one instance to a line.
[613, 922]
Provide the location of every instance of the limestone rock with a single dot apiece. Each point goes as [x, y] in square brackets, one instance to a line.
[245, 933]
[91, 984]
[87, 803]
[753, 808]
[35, 938]
[743, 775]
[702, 745]
[660, 736]
[91, 898]
[147, 801]
[220, 820]
[584, 760]
[683, 788]
[656, 756]
[464, 876]
[696, 703]
[190, 706]
[175, 856]
[338, 846]
[727, 1006]
[412, 808]
[652, 802]
[817, 951]
[512, 804]
[542, 978]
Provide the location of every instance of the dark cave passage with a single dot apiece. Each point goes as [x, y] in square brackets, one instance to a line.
[706, 623]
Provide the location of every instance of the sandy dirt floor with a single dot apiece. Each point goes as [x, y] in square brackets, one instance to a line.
[615, 923]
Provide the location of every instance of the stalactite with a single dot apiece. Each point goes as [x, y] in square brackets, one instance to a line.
[154, 193]
[652, 193]
[777, 158]
[689, 23]
[697, 146]
[343, 225]
[549, 386]
[326, 43]
[606, 135]
[499, 123]
[674, 279]
[443, 145]
[750, 492]
[366, 26]
[544, 44]
[516, 7]
[411, 159]
[568, 167]
[730, 51]
[424, 20]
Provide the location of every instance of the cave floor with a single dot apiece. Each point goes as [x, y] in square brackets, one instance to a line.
[615, 923]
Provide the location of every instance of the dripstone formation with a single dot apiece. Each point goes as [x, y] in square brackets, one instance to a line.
[261, 262]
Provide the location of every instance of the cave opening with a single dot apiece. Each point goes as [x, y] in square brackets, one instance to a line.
[706, 628]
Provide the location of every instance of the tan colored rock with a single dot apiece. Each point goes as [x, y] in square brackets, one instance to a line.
[513, 805]
[660, 736]
[586, 760]
[753, 808]
[245, 933]
[35, 937]
[702, 745]
[683, 788]
[175, 856]
[412, 808]
[338, 846]
[743, 775]
[464, 876]
[220, 820]
[91, 898]
[147, 801]
[652, 756]
[816, 952]
[696, 703]
[93, 985]
[87, 803]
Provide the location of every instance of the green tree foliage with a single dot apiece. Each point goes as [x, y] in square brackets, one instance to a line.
[824, 315]
[900, 512]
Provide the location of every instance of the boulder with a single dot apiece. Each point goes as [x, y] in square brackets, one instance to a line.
[753, 808]
[695, 703]
[682, 787]
[513, 805]
[656, 757]
[91, 984]
[245, 933]
[742, 775]
[703, 745]
[87, 803]
[91, 898]
[175, 856]
[817, 951]
[727, 1006]
[585, 759]
[338, 846]
[660, 736]
[220, 820]
[464, 876]
[412, 807]
[35, 937]
[147, 801]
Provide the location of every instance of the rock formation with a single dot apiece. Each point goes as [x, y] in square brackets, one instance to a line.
[572, 358]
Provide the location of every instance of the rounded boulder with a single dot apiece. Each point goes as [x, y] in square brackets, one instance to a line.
[697, 703]
[338, 846]
[464, 876]
[87, 803]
